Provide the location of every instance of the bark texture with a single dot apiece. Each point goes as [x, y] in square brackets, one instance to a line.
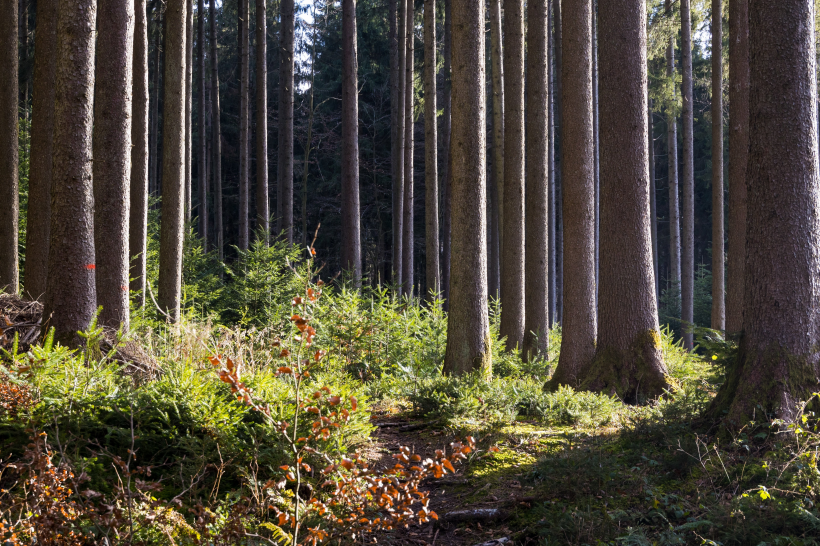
[173, 157]
[553, 309]
[628, 359]
[112, 157]
[189, 87]
[738, 160]
[285, 142]
[351, 232]
[777, 366]
[9, 96]
[216, 137]
[71, 298]
[578, 188]
[559, 160]
[42, 128]
[138, 223]
[718, 281]
[153, 159]
[688, 175]
[398, 150]
[536, 248]
[244, 119]
[672, 161]
[446, 176]
[468, 326]
[202, 152]
[512, 228]
[497, 67]
[430, 151]
[408, 235]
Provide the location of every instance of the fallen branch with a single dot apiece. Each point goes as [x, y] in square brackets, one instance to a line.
[476, 514]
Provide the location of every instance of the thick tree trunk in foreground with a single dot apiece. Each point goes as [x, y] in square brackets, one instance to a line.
[672, 162]
[497, 67]
[244, 118]
[216, 169]
[578, 176]
[9, 269]
[398, 158]
[446, 176]
[173, 156]
[189, 87]
[628, 359]
[536, 312]
[284, 165]
[351, 232]
[71, 298]
[718, 282]
[408, 235]
[42, 128]
[512, 248]
[138, 223]
[430, 150]
[202, 153]
[688, 220]
[112, 158]
[468, 325]
[738, 160]
[777, 365]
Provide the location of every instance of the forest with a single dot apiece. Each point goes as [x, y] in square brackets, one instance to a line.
[409, 272]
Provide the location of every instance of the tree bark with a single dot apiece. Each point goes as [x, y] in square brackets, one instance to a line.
[138, 222]
[189, 87]
[398, 158]
[672, 161]
[596, 143]
[351, 231]
[688, 220]
[512, 228]
[578, 176]
[551, 214]
[112, 158]
[628, 359]
[216, 170]
[468, 327]
[446, 176]
[559, 161]
[42, 129]
[738, 160]
[285, 142]
[408, 235]
[777, 365]
[173, 157]
[202, 153]
[430, 152]
[718, 281]
[9, 97]
[71, 298]
[536, 249]
[244, 118]
[497, 66]
[153, 160]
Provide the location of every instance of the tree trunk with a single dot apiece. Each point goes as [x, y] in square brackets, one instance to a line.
[216, 170]
[9, 96]
[285, 163]
[493, 232]
[596, 143]
[244, 117]
[718, 282]
[202, 154]
[559, 161]
[42, 129]
[536, 249]
[408, 236]
[672, 161]
[653, 209]
[688, 220]
[351, 231]
[447, 175]
[497, 65]
[71, 299]
[189, 87]
[262, 197]
[738, 160]
[551, 208]
[112, 158]
[430, 151]
[309, 139]
[628, 359]
[578, 176]
[138, 222]
[398, 143]
[153, 160]
[468, 325]
[173, 156]
[777, 365]
[512, 228]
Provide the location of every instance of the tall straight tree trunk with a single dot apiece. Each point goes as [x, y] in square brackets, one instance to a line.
[202, 153]
[596, 141]
[398, 158]
[285, 142]
[653, 208]
[9, 96]
[551, 214]
[42, 128]
[430, 151]
[309, 139]
[408, 236]
[738, 160]
[153, 160]
[138, 223]
[173, 157]
[244, 118]
[536, 249]
[262, 197]
[111, 174]
[512, 248]
[351, 231]
[628, 358]
[493, 234]
[718, 281]
[497, 66]
[777, 364]
[447, 175]
[23, 83]
[189, 87]
[71, 298]
[216, 170]
[468, 325]
[688, 220]
[672, 161]
[578, 176]
[559, 162]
